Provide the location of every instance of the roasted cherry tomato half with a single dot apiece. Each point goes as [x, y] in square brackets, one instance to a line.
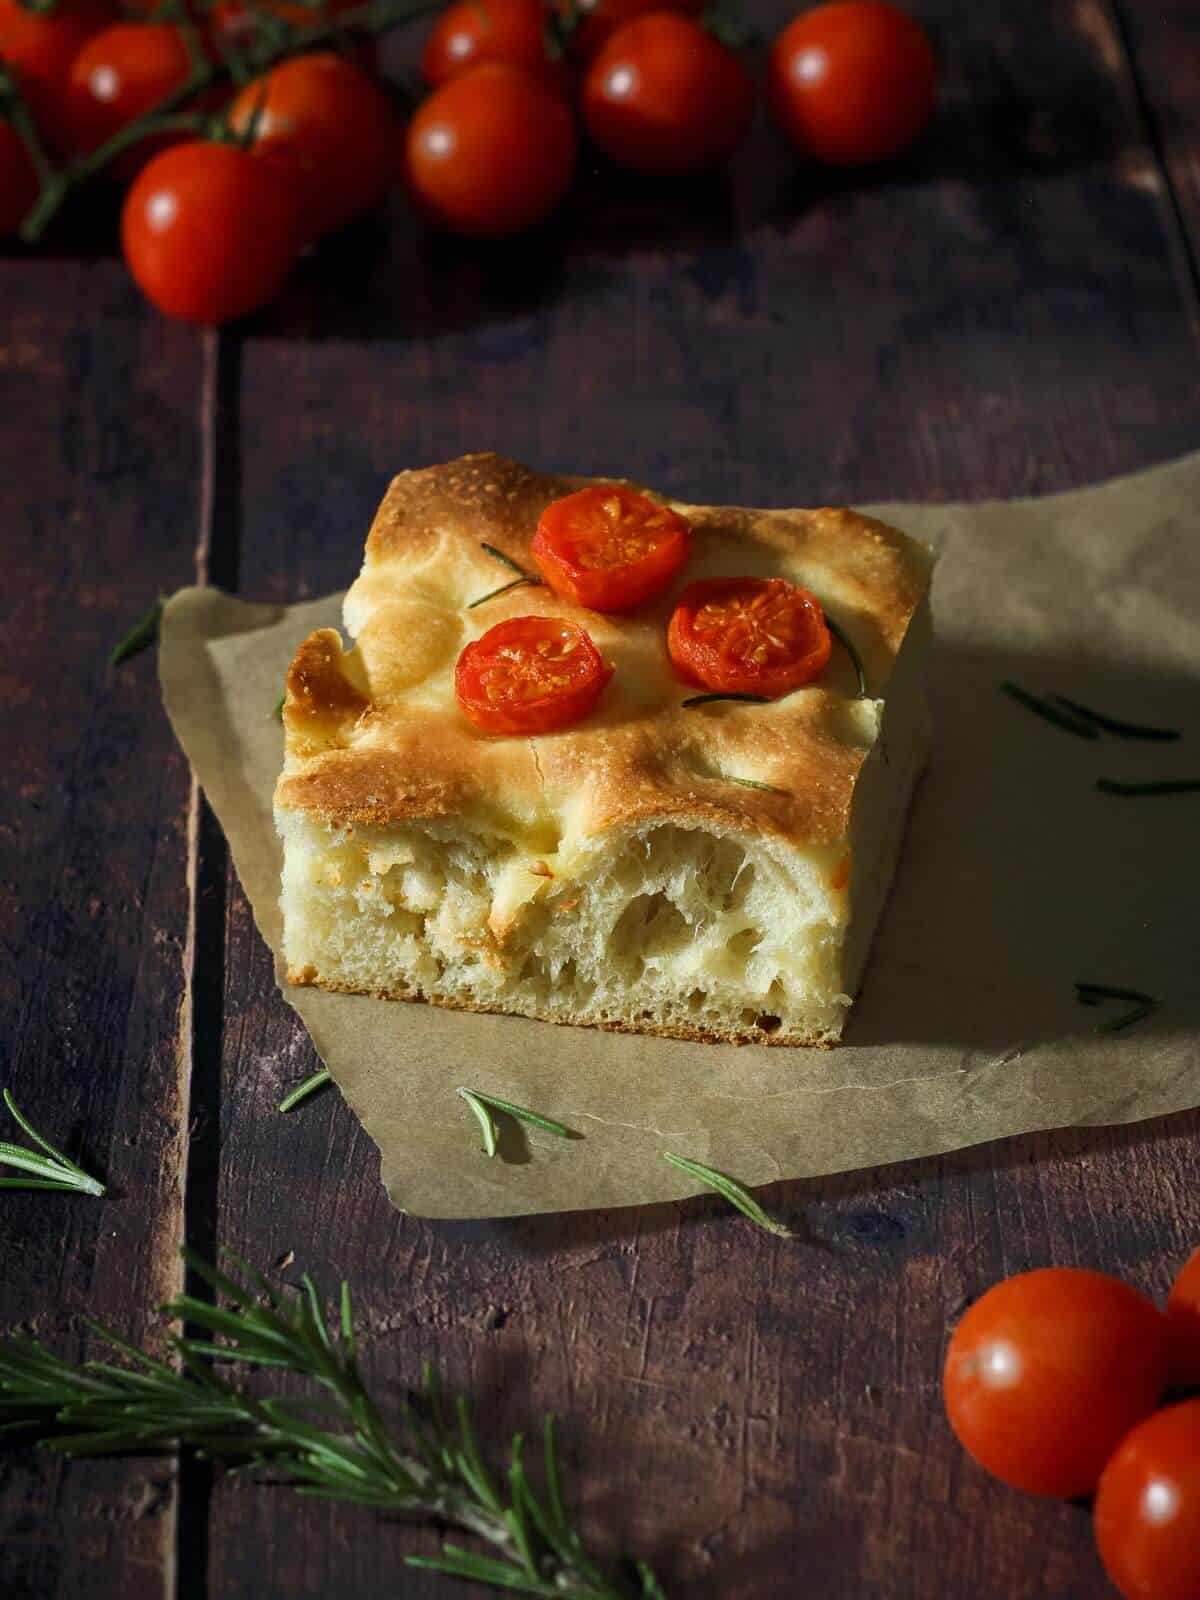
[1183, 1323]
[1047, 1373]
[530, 675]
[18, 181]
[472, 31]
[748, 636]
[664, 99]
[331, 132]
[40, 46]
[121, 73]
[1147, 1512]
[852, 83]
[610, 549]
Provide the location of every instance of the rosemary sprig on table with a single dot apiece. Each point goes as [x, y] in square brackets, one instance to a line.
[308, 1086]
[523, 578]
[140, 637]
[1079, 719]
[483, 1106]
[333, 1443]
[1095, 994]
[52, 1170]
[732, 1191]
[1161, 786]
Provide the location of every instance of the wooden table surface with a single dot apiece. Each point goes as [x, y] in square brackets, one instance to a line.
[1015, 310]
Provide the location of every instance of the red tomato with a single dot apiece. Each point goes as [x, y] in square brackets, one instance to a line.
[852, 83]
[1047, 1373]
[40, 47]
[1183, 1323]
[209, 232]
[472, 31]
[1147, 1513]
[610, 549]
[748, 636]
[490, 153]
[121, 73]
[18, 181]
[664, 99]
[530, 675]
[598, 20]
[333, 131]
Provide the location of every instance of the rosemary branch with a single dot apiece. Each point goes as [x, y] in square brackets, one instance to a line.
[140, 637]
[51, 1170]
[333, 1443]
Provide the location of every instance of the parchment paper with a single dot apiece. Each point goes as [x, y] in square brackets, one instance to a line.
[1017, 879]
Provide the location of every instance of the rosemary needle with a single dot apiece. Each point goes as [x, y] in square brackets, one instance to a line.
[515, 566]
[143, 634]
[1094, 994]
[708, 699]
[753, 783]
[507, 560]
[487, 1123]
[303, 1090]
[1123, 730]
[278, 711]
[53, 1170]
[484, 1104]
[1042, 708]
[843, 639]
[732, 1191]
[1164, 786]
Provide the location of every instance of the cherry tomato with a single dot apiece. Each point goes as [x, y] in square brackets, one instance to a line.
[609, 548]
[490, 153]
[121, 73]
[333, 132]
[598, 20]
[530, 675]
[748, 636]
[1047, 1373]
[18, 181]
[40, 47]
[209, 232]
[1147, 1513]
[1183, 1322]
[852, 83]
[472, 31]
[664, 99]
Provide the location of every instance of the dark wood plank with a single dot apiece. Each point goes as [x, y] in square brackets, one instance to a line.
[1002, 316]
[98, 456]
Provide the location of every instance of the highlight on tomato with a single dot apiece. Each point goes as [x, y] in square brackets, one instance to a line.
[852, 83]
[40, 47]
[1047, 1373]
[472, 31]
[209, 232]
[330, 132]
[1183, 1326]
[18, 181]
[1147, 1511]
[748, 636]
[610, 548]
[121, 73]
[530, 675]
[491, 153]
[664, 99]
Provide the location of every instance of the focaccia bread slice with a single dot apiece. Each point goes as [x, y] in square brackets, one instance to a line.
[708, 872]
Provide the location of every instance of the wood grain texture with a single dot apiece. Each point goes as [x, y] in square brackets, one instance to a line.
[1005, 315]
[99, 466]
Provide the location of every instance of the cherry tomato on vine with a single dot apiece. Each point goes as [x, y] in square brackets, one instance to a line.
[209, 232]
[600, 19]
[1047, 1373]
[121, 73]
[472, 31]
[490, 153]
[1183, 1323]
[610, 548]
[530, 675]
[18, 181]
[1147, 1512]
[40, 46]
[852, 83]
[664, 99]
[330, 129]
[748, 636]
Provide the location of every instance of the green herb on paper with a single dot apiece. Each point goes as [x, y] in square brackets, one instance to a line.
[484, 1104]
[140, 637]
[1123, 730]
[1051, 713]
[843, 639]
[732, 1191]
[1095, 994]
[332, 1443]
[52, 1170]
[278, 711]
[303, 1090]
[1163, 786]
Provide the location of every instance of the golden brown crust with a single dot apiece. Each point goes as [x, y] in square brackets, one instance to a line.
[406, 753]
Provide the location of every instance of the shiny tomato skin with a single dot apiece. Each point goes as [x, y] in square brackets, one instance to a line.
[852, 83]
[664, 99]
[472, 31]
[209, 232]
[40, 47]
[330, 130]
[610, 548]
[491, 153]
[1147, 1511]
[600, 19]
[505, 684]
[748, 636]
[18, 181]
[1183, 1322]
[121, 73]
[1048, 1371]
